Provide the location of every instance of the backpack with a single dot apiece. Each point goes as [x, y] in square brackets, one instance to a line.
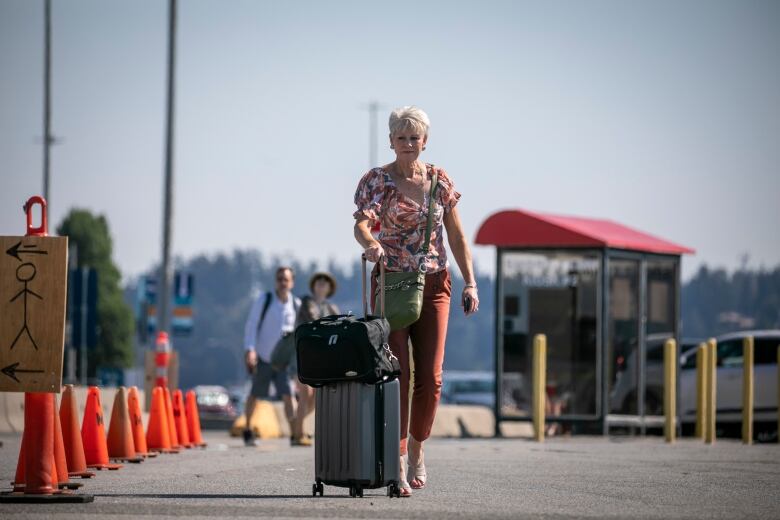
[284, 350]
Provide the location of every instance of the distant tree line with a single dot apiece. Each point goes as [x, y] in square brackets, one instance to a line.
[715, 302]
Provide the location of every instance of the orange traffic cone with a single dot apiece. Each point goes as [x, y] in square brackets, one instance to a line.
[137, 423]
[171, 420]
[157, 436]
[60, 459]
[93, 433]
[120, 431]
[39, 474]
[180, 416]
[59, 475]
[19, 478]
[71, 435]
[193, 419]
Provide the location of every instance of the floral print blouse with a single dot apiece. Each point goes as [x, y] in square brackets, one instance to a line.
[403, 220]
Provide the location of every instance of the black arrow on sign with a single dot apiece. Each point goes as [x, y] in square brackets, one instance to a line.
[11, 371]
[14, 251]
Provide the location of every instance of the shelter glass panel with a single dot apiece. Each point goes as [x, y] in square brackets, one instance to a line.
[660, 326]
[553, 293]
[623, 348]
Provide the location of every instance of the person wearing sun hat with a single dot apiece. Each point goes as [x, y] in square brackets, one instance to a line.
[313, 307]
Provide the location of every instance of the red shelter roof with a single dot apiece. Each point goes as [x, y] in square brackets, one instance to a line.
[521, 228]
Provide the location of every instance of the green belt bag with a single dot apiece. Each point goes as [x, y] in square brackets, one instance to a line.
[403, 292]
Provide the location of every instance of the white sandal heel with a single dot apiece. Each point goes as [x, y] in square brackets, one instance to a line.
[417, 467]
[403, 484]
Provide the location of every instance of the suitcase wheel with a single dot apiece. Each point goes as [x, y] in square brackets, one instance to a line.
[317, 488]
[394, 490]
[356, 491]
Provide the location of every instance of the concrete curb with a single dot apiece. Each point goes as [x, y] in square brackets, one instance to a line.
[12, 407]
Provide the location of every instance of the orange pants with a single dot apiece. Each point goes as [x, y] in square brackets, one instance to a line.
[427, 335]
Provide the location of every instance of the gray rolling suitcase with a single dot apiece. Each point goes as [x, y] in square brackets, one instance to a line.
[356, 437]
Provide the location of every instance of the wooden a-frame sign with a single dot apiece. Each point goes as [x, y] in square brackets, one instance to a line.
[33, 289]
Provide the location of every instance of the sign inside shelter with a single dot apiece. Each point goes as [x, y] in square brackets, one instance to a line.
[33, 289]
[549, 270]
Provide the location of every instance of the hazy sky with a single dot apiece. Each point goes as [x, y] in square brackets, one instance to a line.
[662, 115]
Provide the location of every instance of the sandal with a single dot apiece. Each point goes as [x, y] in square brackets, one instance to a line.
[417, 468]
[403, 486]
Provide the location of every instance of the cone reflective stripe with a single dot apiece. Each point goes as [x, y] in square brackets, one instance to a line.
[71, 435]
[193, 419]
[93, 433]
[120, 431]
[162, 358]
[137, 424]
[161, 361]
[171, 420]
[39, 475]
[157, 436]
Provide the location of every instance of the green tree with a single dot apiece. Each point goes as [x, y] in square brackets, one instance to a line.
[90, 234]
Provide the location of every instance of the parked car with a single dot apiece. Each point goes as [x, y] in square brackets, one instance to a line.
[214, 406]
[729, 378]
[465, 387]
[623, 398]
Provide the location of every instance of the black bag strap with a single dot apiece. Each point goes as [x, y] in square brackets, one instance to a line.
[269, 296]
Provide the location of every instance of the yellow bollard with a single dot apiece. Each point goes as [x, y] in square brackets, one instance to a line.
[747, 390]
[711, 395]
[701, 390]
[670, 389]
[539, 381]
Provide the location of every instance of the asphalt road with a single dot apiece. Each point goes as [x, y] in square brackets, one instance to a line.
[562, 478]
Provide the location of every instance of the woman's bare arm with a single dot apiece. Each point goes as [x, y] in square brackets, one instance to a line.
[373, 249]
[462, 253]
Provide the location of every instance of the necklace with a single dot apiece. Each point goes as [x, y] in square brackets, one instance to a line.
[417, 172]
[410, 187]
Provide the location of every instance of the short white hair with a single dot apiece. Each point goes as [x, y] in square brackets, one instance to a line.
[409, 117]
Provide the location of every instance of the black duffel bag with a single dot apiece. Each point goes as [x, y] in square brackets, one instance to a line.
[346, 348]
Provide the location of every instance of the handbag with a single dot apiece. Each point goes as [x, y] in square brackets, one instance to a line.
[344, 347]
[283, 352]
[404, 291]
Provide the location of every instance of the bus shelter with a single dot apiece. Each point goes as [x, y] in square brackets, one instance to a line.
[605, 295]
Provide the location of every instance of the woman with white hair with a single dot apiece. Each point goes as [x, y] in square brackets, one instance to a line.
[396, 196]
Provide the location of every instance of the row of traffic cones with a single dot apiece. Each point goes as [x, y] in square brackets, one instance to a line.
[172, 425]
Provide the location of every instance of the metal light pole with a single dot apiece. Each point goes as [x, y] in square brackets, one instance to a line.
[163, 318]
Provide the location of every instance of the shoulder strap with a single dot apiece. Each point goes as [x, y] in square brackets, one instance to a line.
[431, 199]
[268, 298]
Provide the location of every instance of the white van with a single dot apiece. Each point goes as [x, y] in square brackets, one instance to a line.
[729, 378]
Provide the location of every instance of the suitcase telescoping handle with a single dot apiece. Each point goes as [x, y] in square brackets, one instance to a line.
[381, 287]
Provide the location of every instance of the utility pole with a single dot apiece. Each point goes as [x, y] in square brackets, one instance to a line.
[163, 318]
[47, 138]
[373, 108]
